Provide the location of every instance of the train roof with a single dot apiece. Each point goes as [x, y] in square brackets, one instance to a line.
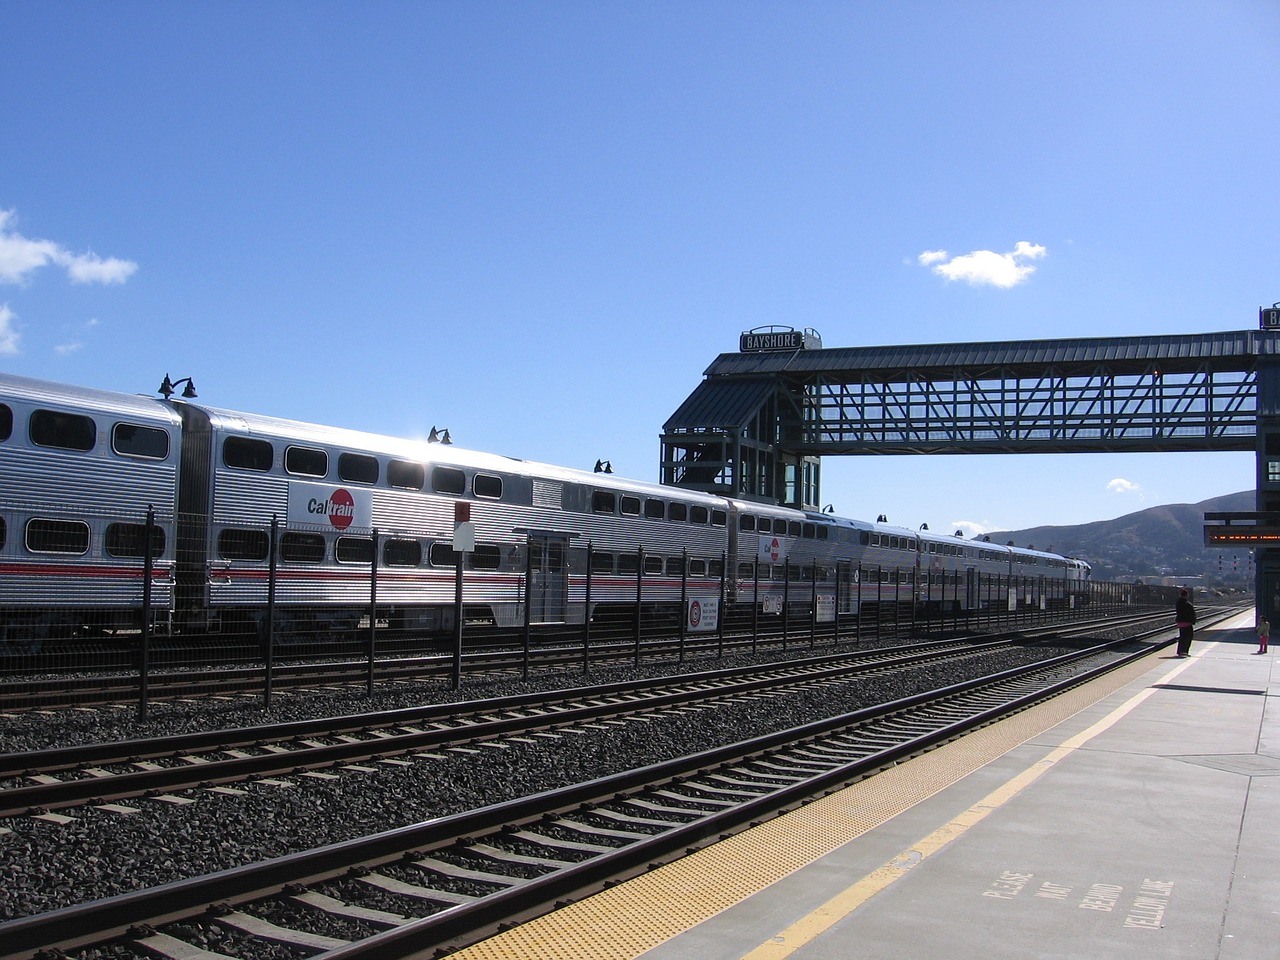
[422, 451]
[87, 399]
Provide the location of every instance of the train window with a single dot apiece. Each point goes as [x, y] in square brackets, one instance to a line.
[442, 554]
[746, 522]
[675, 567]
[57, 536]
[719, 518]
[6, 421]
[487, 486]
[401, 553]
[746, 571]
[653, 566]
[699, 515]
[655, 509]
[2, 533]
[628, 563]
[793, 528]
[678, 512]
[697, 568]
[809, 531]
[130, 540]
[353, 550]
[629, 506]
[306, 461]
[448, 480]
[486, 556]
[243, 544]
[298, 547]
[823, 533]
[864, 538]
[358, 468]
[406, 474]
[66, 431]
[602, 501]
[716, 568]
[131, 440]
[247, 453]
[601, 562]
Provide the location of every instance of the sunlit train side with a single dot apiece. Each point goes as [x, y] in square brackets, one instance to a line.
[330, 489]
[543, 544]
[78, 470]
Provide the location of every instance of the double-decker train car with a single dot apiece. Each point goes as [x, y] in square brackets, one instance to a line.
[247, 511]
[538, 529]
[79, 470]
[847, 566]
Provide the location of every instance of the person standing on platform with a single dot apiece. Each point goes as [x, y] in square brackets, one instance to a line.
[1185, 616]
[1264, 634]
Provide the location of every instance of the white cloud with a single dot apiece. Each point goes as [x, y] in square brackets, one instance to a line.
[71, 346]
[986, 267]
[8, 335]
[971, 528]
[20, 256]
[1120, 485]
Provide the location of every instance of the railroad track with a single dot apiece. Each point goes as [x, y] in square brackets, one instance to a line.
[56, 779]
[446, 882]
[19, 693]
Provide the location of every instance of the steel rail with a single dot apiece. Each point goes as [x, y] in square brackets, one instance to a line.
[98, 921]
[471, 721]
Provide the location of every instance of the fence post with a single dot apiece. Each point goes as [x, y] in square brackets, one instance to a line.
[684, 599]
[813, 609]
[528, 605]
[786, 601]
[456, 682]
[271, 609]
[373, 607]
[639, 597]
[755, 605]
[724, 569]
[147, 563]
[586, 612]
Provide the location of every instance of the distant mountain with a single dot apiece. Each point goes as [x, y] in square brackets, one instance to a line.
[1150, 545]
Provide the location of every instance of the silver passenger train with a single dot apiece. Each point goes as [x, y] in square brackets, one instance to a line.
[85, 474]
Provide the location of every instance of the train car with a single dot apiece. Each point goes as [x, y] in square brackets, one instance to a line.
[357, 516]
[329, 490]
[79, 469]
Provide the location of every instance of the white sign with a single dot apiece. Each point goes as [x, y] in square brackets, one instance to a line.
[826, 608]
[772, 550]
[335, 507]
[464, 537]
[702, 614]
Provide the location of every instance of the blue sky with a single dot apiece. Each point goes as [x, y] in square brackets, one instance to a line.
[537, 224]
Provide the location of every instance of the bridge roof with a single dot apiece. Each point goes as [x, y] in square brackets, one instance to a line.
[1230, 350]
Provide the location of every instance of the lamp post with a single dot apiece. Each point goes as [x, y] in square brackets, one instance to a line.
[169, 387]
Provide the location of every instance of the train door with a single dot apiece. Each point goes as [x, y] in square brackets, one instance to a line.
[972, 600]
[548, 578]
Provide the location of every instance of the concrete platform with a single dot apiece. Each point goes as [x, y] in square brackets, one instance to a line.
[1138, 821]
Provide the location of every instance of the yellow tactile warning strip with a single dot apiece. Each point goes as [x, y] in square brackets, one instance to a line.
[625, 921]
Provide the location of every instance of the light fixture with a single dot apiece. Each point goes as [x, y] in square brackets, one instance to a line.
[924, 526]
[829, 508]
[439, 436]
[167, 387]
[960, 533]
[882, 519]
[604, 466]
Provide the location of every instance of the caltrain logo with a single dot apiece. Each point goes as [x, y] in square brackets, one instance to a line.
[695, 613]
[339, 508]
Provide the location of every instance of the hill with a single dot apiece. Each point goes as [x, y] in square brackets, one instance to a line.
[1150, 545]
